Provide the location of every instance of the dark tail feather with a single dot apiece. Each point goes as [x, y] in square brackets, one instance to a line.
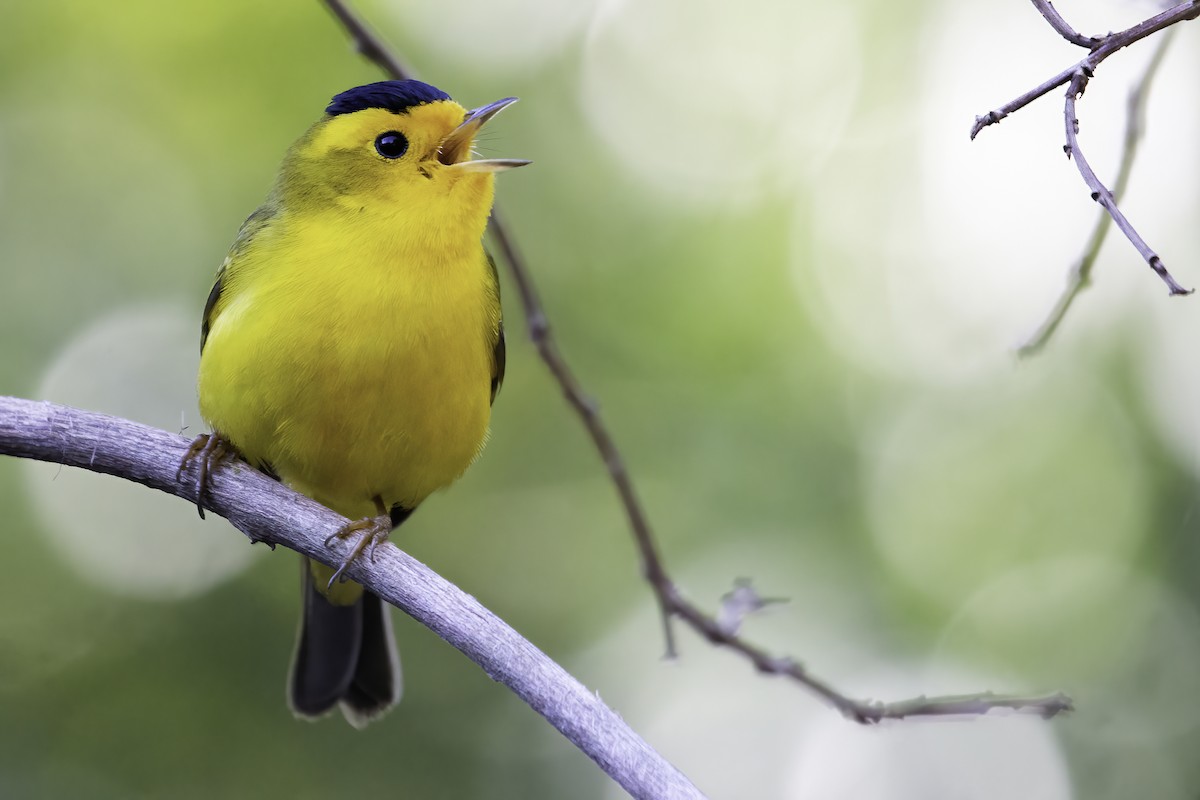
[377, 684]
[344, 653]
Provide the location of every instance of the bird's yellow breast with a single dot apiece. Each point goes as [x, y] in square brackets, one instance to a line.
[354, 354]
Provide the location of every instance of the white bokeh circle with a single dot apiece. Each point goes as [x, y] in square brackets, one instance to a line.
[723, 103]
[1122, 643]
[516, 34]
[965, 486]
[140, 363]
[990, 759]
[1171, 379]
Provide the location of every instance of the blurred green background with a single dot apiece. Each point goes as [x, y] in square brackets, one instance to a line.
[768, 247]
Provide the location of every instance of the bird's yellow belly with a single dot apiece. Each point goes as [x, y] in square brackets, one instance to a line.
[349, 395]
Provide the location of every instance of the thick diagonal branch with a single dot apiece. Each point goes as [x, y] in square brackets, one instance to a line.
[267, 511]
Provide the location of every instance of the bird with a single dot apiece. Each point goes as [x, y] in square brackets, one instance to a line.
[352, 347]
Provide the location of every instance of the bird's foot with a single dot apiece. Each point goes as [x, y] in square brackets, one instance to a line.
[370, 532]
[210, 450]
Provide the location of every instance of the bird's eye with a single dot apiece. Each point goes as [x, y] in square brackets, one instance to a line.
[392, 144]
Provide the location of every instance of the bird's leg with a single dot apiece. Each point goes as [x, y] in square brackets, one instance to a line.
[210, 450]
[370, 531]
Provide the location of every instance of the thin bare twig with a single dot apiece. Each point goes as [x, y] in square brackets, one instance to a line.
[1076, 78]
[672, 603]
[1106, 47]
[1080, 275]
[538, 326]
[369, 46]
[1059, 24]
[1100, 192]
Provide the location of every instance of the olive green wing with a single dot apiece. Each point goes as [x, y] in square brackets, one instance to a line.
[498, 357]
[250, 228]
[211, 305]
[499, 354]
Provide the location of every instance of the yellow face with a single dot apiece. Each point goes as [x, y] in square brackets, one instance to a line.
[381, 161]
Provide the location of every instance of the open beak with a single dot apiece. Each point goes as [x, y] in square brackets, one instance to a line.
[455, 149]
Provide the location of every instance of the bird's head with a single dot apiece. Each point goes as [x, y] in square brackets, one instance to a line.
[401, 147]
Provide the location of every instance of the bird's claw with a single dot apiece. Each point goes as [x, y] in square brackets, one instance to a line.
[210, 450]
[370, 530]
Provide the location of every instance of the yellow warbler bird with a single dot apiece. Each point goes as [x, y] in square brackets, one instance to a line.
[352, 346]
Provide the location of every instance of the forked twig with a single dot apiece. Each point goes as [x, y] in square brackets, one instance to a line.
[1105, 48]
[1076, 79]
[1080, 275]
[671, 601]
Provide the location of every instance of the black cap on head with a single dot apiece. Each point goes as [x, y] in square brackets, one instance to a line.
[395, 96]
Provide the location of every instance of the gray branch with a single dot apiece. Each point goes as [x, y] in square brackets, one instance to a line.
[1102, 49]
[267, 511]
[1080, 275]
[1100, 192]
